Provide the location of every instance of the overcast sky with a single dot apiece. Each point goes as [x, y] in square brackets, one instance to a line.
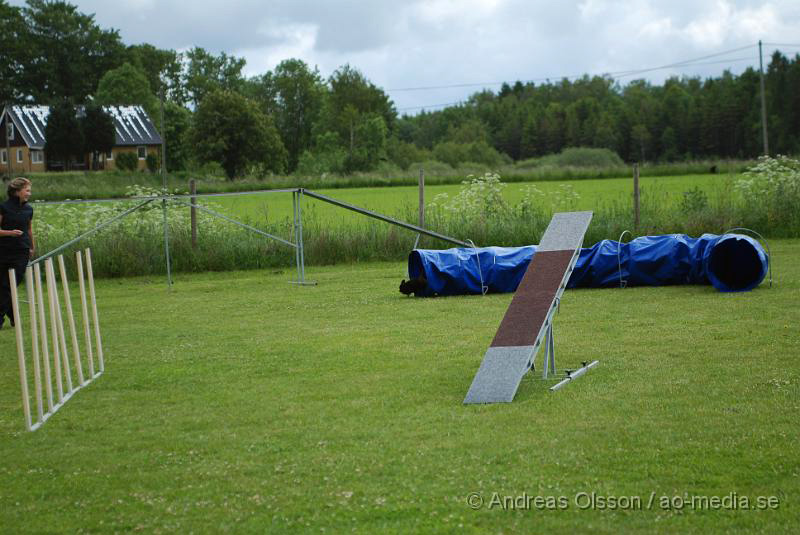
[402, 44]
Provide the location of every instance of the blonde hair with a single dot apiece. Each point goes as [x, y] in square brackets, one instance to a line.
[16, 185]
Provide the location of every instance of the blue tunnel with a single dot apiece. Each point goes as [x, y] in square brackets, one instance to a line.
[729, 262]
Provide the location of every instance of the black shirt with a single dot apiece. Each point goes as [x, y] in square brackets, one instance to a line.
[16, 216]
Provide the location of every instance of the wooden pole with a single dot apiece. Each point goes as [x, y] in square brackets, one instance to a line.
[193, 200]
[85, 313]
[48, 381]
[422, 198]
[636, 197]
[95, 317]
[37, 371]
[23, 374]
[76, 353]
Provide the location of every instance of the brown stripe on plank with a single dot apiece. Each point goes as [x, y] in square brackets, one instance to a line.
[528, 309]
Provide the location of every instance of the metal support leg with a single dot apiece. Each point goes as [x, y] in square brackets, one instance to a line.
[296, 234]
[166, 243]
[549, 365]
[300, 236]
[299, 247]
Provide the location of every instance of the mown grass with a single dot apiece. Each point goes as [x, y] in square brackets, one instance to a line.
[592, 193]
[238, 403]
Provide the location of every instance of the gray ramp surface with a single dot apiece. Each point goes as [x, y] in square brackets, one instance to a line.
[522, 330]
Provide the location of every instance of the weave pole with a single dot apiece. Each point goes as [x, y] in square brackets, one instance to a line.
[23, 375]
[76, 353]
[50, 283]
[41, 341]
[94, 310]
[37, 371]
[58, 327]
[48, 381]
[85, 314]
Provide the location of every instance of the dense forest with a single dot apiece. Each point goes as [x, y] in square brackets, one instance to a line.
[292, 119]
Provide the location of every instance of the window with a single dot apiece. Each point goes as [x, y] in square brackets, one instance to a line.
[3, 156]
[110, 155]
[142, 152]
[37, 156]
[10, 131]
[19, 156]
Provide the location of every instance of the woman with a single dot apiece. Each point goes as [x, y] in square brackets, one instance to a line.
[16, 240]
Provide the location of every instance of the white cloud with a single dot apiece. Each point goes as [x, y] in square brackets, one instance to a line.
[448, 42]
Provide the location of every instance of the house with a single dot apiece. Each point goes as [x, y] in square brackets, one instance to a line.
[23, 146]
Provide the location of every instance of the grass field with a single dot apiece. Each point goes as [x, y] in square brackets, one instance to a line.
[403, 199]
[238, 403]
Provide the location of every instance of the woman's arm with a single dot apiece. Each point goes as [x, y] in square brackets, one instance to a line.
[14, 232]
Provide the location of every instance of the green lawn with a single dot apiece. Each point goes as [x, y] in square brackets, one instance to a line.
[238, 403]
[396, 200]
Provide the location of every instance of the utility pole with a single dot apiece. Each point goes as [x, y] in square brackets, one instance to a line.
[763, 100]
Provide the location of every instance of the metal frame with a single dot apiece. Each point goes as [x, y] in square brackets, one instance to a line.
[762, 238]
[297, 222]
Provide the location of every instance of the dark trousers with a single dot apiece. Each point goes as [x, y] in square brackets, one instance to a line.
[8, 260]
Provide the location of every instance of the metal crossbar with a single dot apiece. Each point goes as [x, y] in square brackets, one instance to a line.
[382, 217]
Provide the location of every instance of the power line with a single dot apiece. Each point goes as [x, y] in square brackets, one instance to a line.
[783, 44]
[689, 65]
[618, 73]
[432, 106]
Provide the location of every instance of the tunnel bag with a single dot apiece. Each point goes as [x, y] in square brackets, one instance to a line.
[730, 262]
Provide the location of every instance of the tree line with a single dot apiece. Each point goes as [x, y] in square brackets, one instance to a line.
[293, 120]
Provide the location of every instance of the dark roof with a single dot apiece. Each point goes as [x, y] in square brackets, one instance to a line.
[131, 123]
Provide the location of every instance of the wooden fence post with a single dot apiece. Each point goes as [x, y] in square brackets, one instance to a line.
[193, 200]
[636, 197]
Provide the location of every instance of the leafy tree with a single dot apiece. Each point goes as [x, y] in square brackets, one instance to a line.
[99, 135]
[232, 130]
[371, 146]
[63, 135]
[69, 52]
[13, 36]
[351, 103]
[177, 123]
[327, 156]
[162, 68]
[403, 154]
[206, 73]
[126, 86]
[299, 93]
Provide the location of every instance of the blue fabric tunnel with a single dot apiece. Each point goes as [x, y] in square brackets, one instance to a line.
[730, 262]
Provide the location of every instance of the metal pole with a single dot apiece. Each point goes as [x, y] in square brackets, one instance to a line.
[166, 243]
[574, 375]
[164, 201]
[387, 219]
[636, 197]
[296, 233]
[300, 236]
[763, 100]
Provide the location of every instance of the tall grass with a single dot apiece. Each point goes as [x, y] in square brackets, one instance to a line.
[114, 184]
[765, 200]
